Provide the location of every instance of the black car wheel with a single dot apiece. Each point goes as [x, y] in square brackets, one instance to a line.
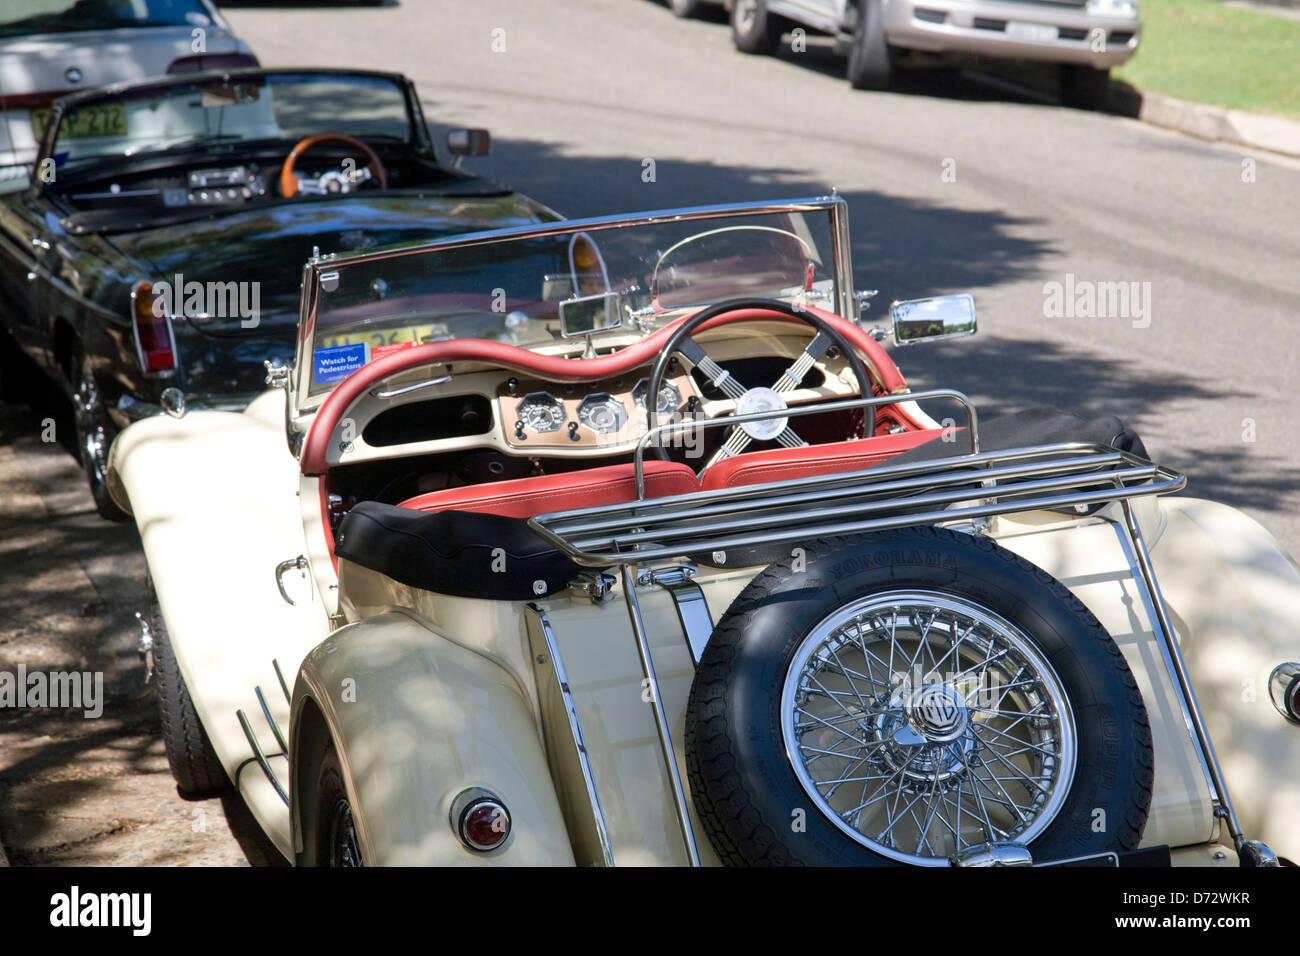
[94, 434]
[329, 831]
[871, 62]
[908, 697]
[194, 764]
[753, 29]
[1085, 88]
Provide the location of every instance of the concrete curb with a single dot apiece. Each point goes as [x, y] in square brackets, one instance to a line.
[1271, 133]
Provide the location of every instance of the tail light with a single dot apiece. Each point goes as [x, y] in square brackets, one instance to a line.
[154, 345]
[211, 61]
[480, 819]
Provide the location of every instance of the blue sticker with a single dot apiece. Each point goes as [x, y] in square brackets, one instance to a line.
[336, 364]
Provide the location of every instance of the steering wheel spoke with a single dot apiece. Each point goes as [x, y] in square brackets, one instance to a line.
[751, 400]
[814, 350]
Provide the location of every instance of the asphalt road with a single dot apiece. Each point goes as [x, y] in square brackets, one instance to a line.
[954, 184]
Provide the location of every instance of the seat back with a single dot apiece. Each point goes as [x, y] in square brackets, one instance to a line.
[781, 464]
[540, 494]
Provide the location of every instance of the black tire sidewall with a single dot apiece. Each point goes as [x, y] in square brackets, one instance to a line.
[870, 62]
[194, 763]
[784, 607]
[325, 789]
[765, 36]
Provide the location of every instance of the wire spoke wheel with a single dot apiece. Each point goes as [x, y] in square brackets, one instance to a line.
[922, 723]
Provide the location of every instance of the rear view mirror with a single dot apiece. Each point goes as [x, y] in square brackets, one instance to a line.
[589, 314]
[469, 142]
[938, 317]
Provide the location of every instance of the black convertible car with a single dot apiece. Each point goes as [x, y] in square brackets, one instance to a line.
[158, 241]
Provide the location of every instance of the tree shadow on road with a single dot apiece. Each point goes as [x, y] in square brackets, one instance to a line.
[1005, 376]
[904, 247]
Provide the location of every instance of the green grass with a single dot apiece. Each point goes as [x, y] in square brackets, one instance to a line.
[1205, 51]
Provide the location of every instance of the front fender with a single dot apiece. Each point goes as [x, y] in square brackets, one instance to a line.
[416, 718]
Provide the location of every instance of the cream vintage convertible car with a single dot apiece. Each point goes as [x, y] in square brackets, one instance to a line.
[624, 541]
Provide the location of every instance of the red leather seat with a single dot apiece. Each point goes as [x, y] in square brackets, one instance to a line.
[526, 497]
[780, 464]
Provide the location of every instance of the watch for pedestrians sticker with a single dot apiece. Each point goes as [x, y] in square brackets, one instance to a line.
[335, 364]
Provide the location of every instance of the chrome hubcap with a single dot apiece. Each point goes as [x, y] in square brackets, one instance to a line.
[921, 724]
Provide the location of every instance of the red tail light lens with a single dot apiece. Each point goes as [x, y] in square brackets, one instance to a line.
[480, 819]
[153, 333]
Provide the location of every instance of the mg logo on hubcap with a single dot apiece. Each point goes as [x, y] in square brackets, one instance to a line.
[938, 711]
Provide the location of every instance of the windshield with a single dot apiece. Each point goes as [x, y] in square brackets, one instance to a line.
[281, 106]
[24, 17]
[558, 284]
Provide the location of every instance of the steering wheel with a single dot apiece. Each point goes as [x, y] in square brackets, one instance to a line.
[335, 181]
[750, 400]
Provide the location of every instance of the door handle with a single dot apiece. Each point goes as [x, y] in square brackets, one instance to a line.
[292, 564]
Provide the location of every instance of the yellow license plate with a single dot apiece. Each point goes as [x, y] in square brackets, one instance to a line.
[86, 122]
[379, 339]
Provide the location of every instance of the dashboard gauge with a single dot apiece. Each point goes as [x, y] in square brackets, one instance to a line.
[602, 413]
[540, 412]
[670, 399]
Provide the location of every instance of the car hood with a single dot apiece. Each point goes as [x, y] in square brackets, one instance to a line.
[263, 250]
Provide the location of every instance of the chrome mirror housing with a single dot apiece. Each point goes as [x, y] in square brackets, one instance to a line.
[938, 317]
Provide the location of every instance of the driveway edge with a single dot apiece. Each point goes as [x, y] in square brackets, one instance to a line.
[1271, 133]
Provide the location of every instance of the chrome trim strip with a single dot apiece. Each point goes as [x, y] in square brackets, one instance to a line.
[661, 719]
[260, 757]
[1178, 671]
[575, 727]
[406, 389]
[275, 728]
[279, 674]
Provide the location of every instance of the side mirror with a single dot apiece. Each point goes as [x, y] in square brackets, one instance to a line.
[938, 317]
[469, 142]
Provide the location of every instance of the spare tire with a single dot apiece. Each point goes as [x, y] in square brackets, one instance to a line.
[909, 696]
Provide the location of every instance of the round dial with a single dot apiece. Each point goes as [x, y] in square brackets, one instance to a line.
[670, 399]
[602, 413]
[541, 412]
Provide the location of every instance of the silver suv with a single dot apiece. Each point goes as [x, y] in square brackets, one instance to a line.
[1087, 37]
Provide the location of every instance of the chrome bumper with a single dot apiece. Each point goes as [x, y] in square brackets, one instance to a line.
[981, 27]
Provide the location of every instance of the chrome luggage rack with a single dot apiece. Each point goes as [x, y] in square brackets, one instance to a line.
[967, 486]
[964, 487]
